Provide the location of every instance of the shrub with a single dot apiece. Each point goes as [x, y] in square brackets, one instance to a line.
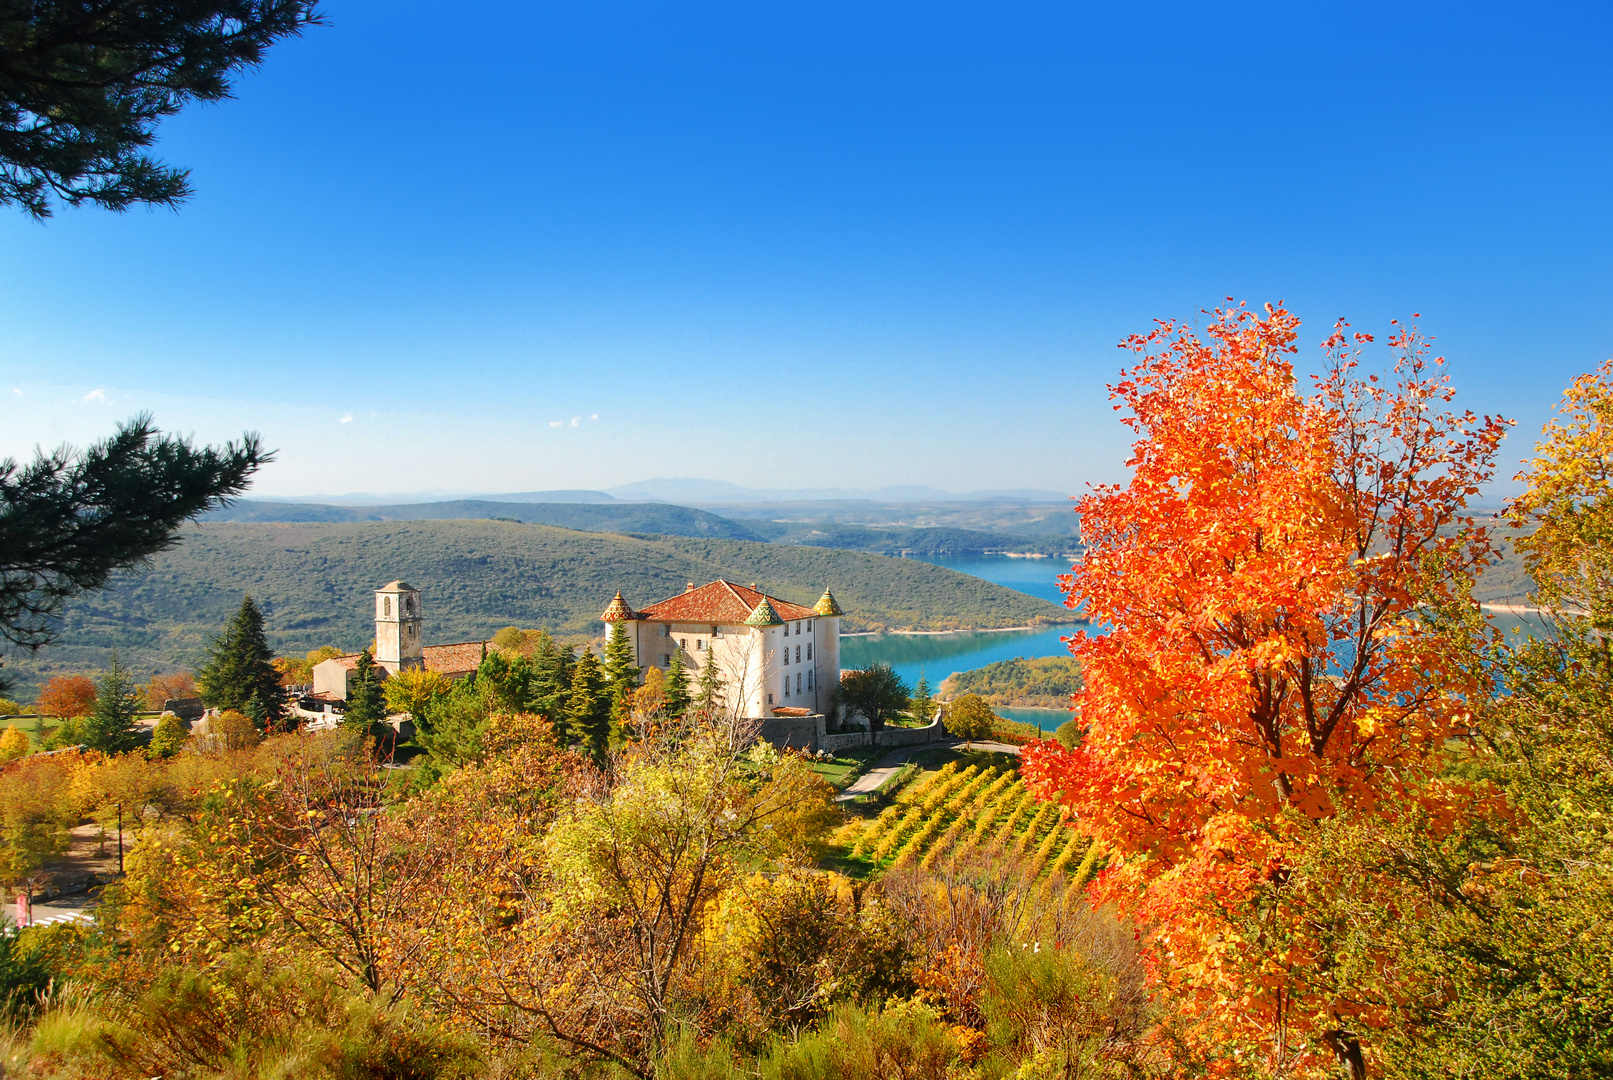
[13, 743]
[169, 737]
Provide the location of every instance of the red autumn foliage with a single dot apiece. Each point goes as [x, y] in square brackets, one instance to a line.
[1262, 574]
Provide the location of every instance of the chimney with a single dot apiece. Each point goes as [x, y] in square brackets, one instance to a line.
[689, 587]
[753, 584]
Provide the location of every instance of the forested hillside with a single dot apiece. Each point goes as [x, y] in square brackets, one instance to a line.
[588, 517]
[315, 580]
[669, 520]
[1042, 682]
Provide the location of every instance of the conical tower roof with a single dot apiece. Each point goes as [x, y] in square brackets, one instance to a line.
[618, 610]
[826, 605]
[764, 615]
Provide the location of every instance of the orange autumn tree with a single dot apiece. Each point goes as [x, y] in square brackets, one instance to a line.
[1262, 576]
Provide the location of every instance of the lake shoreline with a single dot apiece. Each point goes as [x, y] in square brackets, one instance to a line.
[944, 633]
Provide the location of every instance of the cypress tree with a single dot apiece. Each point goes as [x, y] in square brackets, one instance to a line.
[365, 703]
[675, 695]
[110, 727]
[241, 664]
[710, 689]
[620, 670]
[923, 705]
[588, 708]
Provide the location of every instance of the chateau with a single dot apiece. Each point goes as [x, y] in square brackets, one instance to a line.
[774, 658]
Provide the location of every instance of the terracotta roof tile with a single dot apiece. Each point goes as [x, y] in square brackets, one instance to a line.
[721, 602]
[456, 659]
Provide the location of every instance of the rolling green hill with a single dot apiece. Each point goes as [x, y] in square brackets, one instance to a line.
[667, 519]
[315, 582]
[588, 517]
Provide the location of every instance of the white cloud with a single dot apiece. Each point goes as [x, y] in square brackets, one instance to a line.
[575, 420]
[593, 416]
[16, 389]
[346, 419]
[93, 395]
[557, 423]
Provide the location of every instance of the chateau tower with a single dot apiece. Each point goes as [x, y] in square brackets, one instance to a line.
[398, 640]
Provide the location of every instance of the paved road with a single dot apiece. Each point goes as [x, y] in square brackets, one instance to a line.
[886, 767]
[58, 909]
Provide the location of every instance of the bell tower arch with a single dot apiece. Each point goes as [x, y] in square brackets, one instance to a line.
[398, 627]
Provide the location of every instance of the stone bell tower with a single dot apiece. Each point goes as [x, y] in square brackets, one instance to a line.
[398, 640]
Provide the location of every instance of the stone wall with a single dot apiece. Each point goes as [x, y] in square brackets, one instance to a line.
[795, 732]
[932, 732]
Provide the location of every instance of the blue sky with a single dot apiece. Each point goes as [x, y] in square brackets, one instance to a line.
[505, 247]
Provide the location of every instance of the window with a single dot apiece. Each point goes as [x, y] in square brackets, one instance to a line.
[798, 682]
[809, 626]
[666, 659]
[798, 654]
[809, 680]
[683, 643]
[698, 644]
[713, 631]
[386, 605]
[770, 699]
[786, 656]
[797, 629]
[666, 631]
[809, 650]
[786, 629]
[786, 686]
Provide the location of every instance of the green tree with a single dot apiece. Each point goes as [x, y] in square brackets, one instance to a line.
[169, 737]
[621, 672]
[240, 665]
[970, 718]
[551, 682]
[70, 520]
[451, 727]
[675, 696]
[366, 702]
[85, 84]
[922, 704]
[710, 700]
[876, 692]
[110, 728]
[588, 710]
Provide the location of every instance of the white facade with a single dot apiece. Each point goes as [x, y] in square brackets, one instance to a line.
[781, 663]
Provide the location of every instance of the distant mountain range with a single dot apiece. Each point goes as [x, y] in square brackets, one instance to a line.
[718, 492]
[667, 519]
[690, 491]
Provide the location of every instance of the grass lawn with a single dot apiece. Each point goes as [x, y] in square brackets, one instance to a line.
[840, 770]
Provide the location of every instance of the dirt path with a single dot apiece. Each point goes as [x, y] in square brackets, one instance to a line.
[886, 767]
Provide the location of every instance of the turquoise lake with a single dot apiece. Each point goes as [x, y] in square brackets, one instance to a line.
[938, 655]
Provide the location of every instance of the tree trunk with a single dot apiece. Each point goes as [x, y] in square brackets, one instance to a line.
[1347, 1048]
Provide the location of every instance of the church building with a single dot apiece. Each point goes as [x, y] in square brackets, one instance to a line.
[774, 658]
[398, 645]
